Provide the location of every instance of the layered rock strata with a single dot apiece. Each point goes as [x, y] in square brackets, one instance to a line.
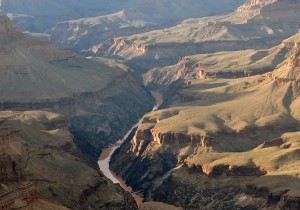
[90, 103]
[15, 191]
[256, 25]
[216, 137]
[89, 34]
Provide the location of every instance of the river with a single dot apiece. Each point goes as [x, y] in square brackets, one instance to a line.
[106, 154]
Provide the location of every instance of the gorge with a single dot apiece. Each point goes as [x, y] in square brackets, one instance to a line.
[78, 81]
[105, 157]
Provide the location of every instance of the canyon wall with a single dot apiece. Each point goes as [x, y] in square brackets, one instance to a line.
[15, 191]
[264, 25]
[65, 109]
[217, 137]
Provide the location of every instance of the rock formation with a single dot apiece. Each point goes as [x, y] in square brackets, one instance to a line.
[226, 137]
[90, 104]
[18, 196]
[41, 16]
[264, 24]
[214, 132]
[15, 191]
[12, 158]
[294, 60]
[88, 35]
[36, 75]
[241, 63]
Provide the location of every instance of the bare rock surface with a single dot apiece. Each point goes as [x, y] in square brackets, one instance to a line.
[261, 26]
[88, 34]
[64, 110]
[218, 137]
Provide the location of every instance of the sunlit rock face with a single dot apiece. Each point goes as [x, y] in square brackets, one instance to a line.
[89, 34]
[257, 25]
[221, 136]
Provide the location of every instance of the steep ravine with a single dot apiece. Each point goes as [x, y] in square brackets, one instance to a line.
[192, 155]
[109, 115]
[106, 154]
[65, 109]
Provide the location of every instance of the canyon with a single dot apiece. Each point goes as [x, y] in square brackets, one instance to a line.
[88, 34]
[105, 157]
[221, 143]
[255, 25]
[223, 64]
[48, 96]
[78, 83]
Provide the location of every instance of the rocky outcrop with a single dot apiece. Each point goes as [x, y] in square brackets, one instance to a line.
[144, 57]
[8, 32]
[151, 154]
[231, 193]
[228, 170]
[53, 163]
[281, 198]
[18, 196]
[289, 202]
[256, 24]
[204, 194]
[294, 59]
[250, 9]
[90, 39]
[88, 35]
[176, 139]
[272, 143]
[171, 136]
[12, 158]
[15, 191]
[188, 69]
[85, 200]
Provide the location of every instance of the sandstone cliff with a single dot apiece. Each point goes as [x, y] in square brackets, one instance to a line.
[15, 192]
[213, 128]
[55, 166]
[226, 64]
[271, 22]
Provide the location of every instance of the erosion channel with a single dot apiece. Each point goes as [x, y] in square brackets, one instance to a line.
[106, 154]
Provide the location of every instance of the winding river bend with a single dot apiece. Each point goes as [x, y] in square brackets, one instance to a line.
[106, 154]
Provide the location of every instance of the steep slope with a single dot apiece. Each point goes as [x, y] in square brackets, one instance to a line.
[227, 64]
[35, 75]
[89, 104]
[143, 15]
[27, 66]
[213, 126]
[263, 25]
[53, 164]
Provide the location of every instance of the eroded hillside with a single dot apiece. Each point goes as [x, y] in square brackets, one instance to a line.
[223, 64]
[87, 35]
[262, 24]
[237, 134]
[66, 109]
